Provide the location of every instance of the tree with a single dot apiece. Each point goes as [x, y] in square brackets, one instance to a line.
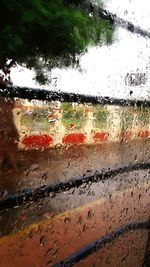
[42, 34]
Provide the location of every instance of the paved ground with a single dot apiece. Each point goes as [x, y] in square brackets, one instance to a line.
[61, 224]
[53, 165]
[50, 166]
[54, 238]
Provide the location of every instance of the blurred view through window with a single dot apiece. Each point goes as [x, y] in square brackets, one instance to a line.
[74, 133]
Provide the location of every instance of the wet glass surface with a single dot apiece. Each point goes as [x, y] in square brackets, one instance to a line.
[74, 175]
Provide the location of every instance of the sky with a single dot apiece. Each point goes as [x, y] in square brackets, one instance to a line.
[104, 68]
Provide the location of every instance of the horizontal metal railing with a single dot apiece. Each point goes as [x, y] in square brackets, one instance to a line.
[34, 194]
[99, 243]
[46, 95]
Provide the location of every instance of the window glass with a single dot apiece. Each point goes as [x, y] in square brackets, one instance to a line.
[74, 133]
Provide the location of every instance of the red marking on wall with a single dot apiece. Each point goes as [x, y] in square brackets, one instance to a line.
[37, 140]
[143, 134]
[100, 137]
[126, 135]
[74, 138]
[71, 125]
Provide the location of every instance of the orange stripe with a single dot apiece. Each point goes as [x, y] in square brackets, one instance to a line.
[66, 233]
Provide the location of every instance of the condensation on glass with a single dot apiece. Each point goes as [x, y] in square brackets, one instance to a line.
[74, 177]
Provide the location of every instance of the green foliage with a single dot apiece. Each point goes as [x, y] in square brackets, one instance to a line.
[72, 115]
[66, 106]
[144, 117]
[135, 116]
[47, 33]
[100, 118]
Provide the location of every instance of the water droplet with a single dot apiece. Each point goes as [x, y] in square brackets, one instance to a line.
[49, 262]
[67, 220]
[90, 215]
[29, 235]
[34, 167]
[48, 252]
[52, 194]
[42, 240]
[83, 185]
[80, 220]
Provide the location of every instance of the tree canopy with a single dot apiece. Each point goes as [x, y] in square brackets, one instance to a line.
[42, 34]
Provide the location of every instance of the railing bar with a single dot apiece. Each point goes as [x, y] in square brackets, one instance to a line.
[46, 95]
[33, 195]
[99, 243]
